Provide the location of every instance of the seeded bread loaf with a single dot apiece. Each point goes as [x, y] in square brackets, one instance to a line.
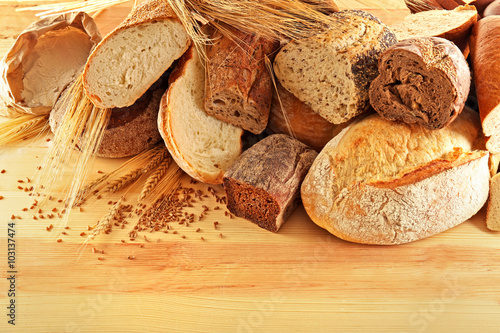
[485, 41]
[291, 116]
[454, 25]
[134, 55]
[385, 182]
[130, 130]
[332, 71]
[239, 88]
[422, 80]
[203, 146]
[263, 184]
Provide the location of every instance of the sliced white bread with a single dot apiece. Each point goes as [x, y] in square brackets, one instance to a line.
[203, 146]
[134, 55]
[454, 25]
[385, 182]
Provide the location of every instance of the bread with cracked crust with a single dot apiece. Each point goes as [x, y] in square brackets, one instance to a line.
[384, 182]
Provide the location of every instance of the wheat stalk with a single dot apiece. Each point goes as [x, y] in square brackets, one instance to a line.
[105, 222]
[21, 128]
[123, 181]
[154, 178]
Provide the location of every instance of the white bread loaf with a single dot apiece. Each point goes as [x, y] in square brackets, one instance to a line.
[203, 146]
[332, 71]
[383, 182]
[134, 55]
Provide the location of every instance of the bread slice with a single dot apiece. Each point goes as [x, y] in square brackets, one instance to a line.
[454, 25]
[203, 146]
[134, 55]
[485, 41]
[332, 71]
[493, 210]
[384, 182]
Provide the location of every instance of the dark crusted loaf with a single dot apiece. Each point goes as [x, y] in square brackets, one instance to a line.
[332, 71]
[238, 85]
[130, 130]
[422, 80]
[263, 184]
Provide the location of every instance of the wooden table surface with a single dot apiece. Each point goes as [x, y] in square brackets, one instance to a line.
[301, 279]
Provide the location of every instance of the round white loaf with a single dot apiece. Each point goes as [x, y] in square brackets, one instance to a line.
[383, 182]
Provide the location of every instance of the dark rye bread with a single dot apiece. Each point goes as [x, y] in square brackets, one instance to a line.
[238, 85]
[332, 71]
[422, 80]
[130, 130]
[263, 184]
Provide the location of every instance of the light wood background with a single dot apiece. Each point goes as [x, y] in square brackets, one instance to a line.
[301, 279]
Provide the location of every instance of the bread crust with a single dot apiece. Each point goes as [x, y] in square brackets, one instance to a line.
[485, 41]
[412, 205]
[147, 12]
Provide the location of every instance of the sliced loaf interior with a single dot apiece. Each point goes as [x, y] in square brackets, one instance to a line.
[203, 146]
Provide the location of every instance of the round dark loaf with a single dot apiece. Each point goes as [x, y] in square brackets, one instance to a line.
[130, 130]
[422, 80]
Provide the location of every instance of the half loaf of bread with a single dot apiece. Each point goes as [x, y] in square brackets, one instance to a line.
[384, 182]
[203, 146]
[332, 71]
[134, 55]
[422, 80]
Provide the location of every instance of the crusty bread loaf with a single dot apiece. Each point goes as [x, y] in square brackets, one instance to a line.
[384, 182]
[134, 55]
[454, 25]
[416, 6]
[332, 71]
[492, 9]
[291, 116]
[263, 185]
[485, 41]
[203, 146]
[130, 130]
[45, 58]
[422, 80]
[493, 210]
[238, 86]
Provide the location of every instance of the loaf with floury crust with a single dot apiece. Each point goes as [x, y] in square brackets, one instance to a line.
[134, 55]
[385, 182]
[332, 71]
[485, 41]
[422, 80]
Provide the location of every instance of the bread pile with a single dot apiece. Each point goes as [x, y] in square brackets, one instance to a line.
[400, 156]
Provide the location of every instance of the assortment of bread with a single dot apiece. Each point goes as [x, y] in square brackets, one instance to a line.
[416, 167]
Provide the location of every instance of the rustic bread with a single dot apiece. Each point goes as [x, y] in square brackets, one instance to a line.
[384, 182]
[45, 58]
[332, 71]
[263, 184]
[493, 210]
[291, 116]
[492, 9]
[485, 41]
[454, 25]
[416, 6]
[130, 130]
[422, 80]
[134, 55]
[238, 85]
[203, 146]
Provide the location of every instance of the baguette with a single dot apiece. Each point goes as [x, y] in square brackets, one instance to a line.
[134, 55]
[203, 146]
[485, 39]
[384, 182]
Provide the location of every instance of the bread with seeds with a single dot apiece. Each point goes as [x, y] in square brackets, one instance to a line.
[332, 71]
